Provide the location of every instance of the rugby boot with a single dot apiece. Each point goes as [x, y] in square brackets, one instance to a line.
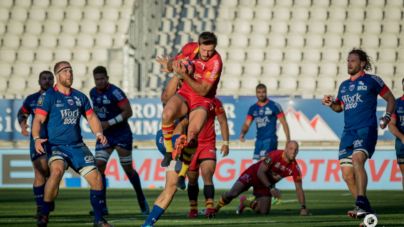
[179, 145]
[362, 224]
[104, 211]
[146, 210]
[193, 213]
[168, 157]
[210, 212]
[275, 201]
[181, 183]
[240, 207]
[38, 212]
[43, 220]
[102, 223]
[358, 212]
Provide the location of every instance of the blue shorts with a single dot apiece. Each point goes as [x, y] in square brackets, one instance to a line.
[359, 140]
[124, 142]
[263, 147]
[33, 154]
[76, 156]
[399, 152]
[160, 142]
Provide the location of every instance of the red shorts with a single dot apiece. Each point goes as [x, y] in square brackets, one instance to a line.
[249, 178]
[193, 101]
[203, 152]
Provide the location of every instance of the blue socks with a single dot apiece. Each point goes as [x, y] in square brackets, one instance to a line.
[154, 216]
[97, 199]
[104, 188]
[39, 194]
[46, 207]
[363, 202]
[138, 188]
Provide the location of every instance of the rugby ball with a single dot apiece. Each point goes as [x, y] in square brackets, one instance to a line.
[190, 68]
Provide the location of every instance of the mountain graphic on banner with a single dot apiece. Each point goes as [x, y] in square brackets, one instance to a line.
[303, 129]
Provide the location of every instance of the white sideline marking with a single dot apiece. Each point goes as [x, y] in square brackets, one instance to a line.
[288, 201]
[346, 194]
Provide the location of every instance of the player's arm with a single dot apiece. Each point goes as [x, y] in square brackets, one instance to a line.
[224, 128]
[285, 126]
[171, 89]
[391, 105]
[335, 105]
[301, 198]
[263, 169]
[95, 126]
[394, 129]
[22, 116]
[36, 131]
[202, 88]
[245, 127]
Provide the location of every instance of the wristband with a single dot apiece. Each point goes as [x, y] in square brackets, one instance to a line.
[99, 134]
[226, 143]
[112, 121]
[36, 137]
[303, 207]
[118, 118]
[388, 117]
[271, 187]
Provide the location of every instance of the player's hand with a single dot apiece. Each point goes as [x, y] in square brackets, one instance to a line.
[225, 150]
[242, 138]
[163, 61]
[327, 100]
[104, 125]
[305, 212]
[277, 193]
[180, 68]
[24, 130]
[103, 140]
[38, 146]
[383, 122]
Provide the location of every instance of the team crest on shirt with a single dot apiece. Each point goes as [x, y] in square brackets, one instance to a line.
[99, 100]
[261, 111]
[351, 87]
[70, 101]
[268, 111]
[40, 101]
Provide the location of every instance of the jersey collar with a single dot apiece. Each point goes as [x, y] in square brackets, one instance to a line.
[258, 103]
[100, 92]
[362, 74]
[56, 89]
[402, 98]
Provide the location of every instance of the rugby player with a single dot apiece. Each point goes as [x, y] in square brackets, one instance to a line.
[113, 109]
[357, 97]
[205, 158]
[195, 96]
[39, 161]
[265, 113]
[396, 127]
[62, 107]
[263, 176]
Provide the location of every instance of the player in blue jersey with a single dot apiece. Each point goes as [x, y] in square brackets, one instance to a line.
[357, 97]
[265, 113]
[396, 127]
[39, 161]
[113, 109]
[61, 107]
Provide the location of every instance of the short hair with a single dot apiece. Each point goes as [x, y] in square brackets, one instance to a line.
[363, 56]
[261, 86]
[207, 38]
[44, 72]
[100, 69]
[58, 64]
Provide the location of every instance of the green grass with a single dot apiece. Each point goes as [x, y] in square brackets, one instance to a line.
[329, 208]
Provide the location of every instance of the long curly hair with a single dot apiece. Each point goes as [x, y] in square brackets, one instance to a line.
[363, 57]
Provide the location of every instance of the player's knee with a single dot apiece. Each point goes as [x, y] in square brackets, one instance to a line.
[192, 181]
[56, 174]
[348, 176]
[262, 212]
[167, 114]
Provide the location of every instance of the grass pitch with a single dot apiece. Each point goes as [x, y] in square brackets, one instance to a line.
[329, 208]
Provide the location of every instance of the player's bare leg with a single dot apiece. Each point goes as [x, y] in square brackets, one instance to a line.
[402, 173]
[349, 177]
[169, 191]
[101, 158]
[228, 196]
[125, 157]
[41, 173]
[197, 119]
[174, 109]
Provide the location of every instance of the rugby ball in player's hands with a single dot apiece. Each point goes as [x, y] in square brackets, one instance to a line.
[190, 68]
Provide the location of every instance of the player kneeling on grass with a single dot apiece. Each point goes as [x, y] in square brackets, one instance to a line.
[263, 176]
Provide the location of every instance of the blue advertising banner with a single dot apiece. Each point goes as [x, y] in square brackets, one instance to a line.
[308, 120]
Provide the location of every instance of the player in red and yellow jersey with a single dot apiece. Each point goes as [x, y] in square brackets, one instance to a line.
[195, 96]
[263, 176]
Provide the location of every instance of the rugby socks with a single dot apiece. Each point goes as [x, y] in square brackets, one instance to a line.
[193, 191]
[39, 194]
[168, 134]
[104, 188]
[46, 207]
[209, 192]
[97, 199]
[363, 202]
[252, 205]
[209, 203]
[222, 202]
[135, 181]
[154, 216]
[189, 150]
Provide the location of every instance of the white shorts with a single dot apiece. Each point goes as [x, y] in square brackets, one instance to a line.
[175, 165]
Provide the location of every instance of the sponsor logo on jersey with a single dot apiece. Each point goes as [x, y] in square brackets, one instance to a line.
[70, 101]
[33, 103]
[70, 117]
[59, 103]
[78, 101]
[202, 64]
[378, 80]
[342, 152]
[351, 87]
[255, 113]
[58, 153]
[357, 143]
[105, 100]
[118, 95]
[101, 111]
[283, 168]
[362, 86]
[402, 120]
[400, 160]
[351, 102]
[262, 153]
[268, 111]
[262, 121]
[215, 70]
[277, 165]
[89, 159]
[343, 89]
[400, 110]
[40, 101]
[246, 177]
